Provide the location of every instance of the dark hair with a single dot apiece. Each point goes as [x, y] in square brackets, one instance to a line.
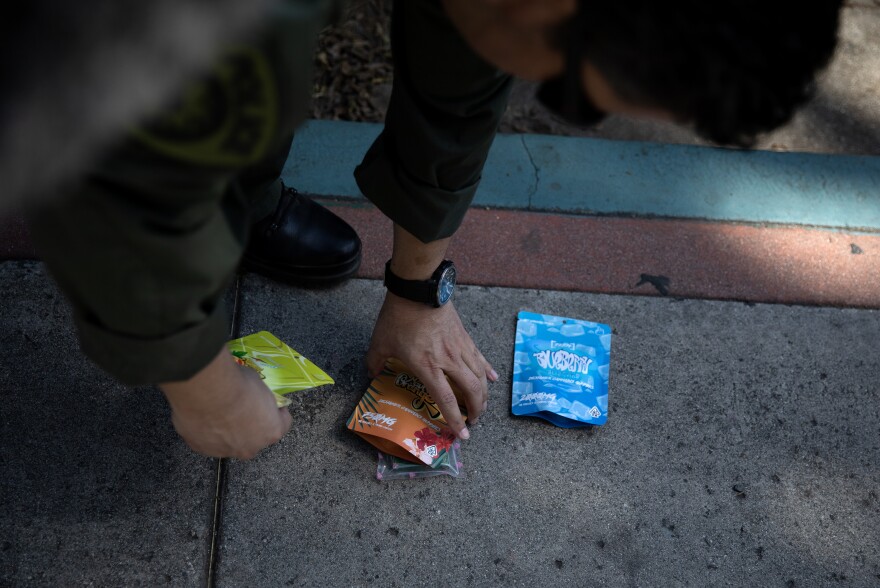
[734, 68]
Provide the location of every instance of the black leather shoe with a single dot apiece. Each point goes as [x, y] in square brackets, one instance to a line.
[303, 243]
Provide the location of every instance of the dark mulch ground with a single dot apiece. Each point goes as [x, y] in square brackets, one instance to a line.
[354, 74]
[353, 65]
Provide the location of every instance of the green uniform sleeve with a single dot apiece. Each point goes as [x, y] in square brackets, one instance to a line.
[423, 170]
[145, 254]
[147, 246]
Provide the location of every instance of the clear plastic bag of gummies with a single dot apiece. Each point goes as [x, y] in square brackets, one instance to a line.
[395, 468]
[560, 370]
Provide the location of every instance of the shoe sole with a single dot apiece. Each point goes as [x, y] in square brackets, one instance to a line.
[304, 276]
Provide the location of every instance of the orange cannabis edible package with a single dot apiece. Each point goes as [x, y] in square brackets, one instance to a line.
[399, 417]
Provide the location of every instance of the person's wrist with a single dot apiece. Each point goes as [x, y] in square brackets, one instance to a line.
[434, 291]
[192, 398]
[215, 388]
[409, 270]
[399, 302]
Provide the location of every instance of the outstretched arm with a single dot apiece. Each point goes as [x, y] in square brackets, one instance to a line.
[432, 342]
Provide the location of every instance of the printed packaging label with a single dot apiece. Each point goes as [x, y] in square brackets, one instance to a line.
[398, 416]
[282, 369]
[560, 369]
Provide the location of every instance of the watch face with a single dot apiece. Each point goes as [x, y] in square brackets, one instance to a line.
[446, 285]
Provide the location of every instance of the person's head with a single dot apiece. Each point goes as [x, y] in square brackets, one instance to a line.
[732, 68]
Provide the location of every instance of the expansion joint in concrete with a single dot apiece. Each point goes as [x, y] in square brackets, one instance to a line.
[220, 471]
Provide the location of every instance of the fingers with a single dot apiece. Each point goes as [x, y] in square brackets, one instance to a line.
[442, 394]
[375, 361]
[434, 344]
[274, 433]
[471, 379]
[282, 425]
[491, 374]
[241, 429]
[286, 422]
[278, 422]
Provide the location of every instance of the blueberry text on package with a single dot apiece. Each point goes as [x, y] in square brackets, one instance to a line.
[560, 370]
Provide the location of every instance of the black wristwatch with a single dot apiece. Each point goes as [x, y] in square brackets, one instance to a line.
[435, 291]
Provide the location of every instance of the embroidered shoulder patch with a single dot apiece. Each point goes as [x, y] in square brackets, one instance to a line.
[226, 119]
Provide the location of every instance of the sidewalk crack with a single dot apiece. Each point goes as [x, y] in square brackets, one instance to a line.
[220, 472]
[219, 492]
[533, 189]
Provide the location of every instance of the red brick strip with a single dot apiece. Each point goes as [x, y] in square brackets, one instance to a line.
[712, 260]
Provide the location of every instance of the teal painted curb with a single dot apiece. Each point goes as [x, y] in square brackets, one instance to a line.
[568, 174]
[325, 153]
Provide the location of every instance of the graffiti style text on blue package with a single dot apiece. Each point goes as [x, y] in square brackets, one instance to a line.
[560, 370]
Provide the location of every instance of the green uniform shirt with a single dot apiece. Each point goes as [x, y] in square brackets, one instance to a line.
[147, 245]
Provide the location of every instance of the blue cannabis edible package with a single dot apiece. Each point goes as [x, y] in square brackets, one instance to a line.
[560, 369]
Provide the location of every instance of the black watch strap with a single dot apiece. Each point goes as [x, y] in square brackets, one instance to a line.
[424, 291]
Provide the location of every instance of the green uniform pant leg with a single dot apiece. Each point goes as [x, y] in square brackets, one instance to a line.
[446, 104]
[145, 266]
[261, 183]
[288, 46]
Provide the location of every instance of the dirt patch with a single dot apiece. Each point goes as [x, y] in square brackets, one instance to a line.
[353, 70]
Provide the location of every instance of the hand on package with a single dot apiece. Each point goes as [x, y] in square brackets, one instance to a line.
[225, 410]
[434, 344]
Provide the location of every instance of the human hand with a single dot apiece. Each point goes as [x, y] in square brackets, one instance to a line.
[434, 344]
[225, 410]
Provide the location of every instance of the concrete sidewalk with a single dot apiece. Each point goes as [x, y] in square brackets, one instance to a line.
[742, 448]
[743, 442]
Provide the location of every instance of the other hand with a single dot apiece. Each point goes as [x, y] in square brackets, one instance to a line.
[225, 410]
[434, 344]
